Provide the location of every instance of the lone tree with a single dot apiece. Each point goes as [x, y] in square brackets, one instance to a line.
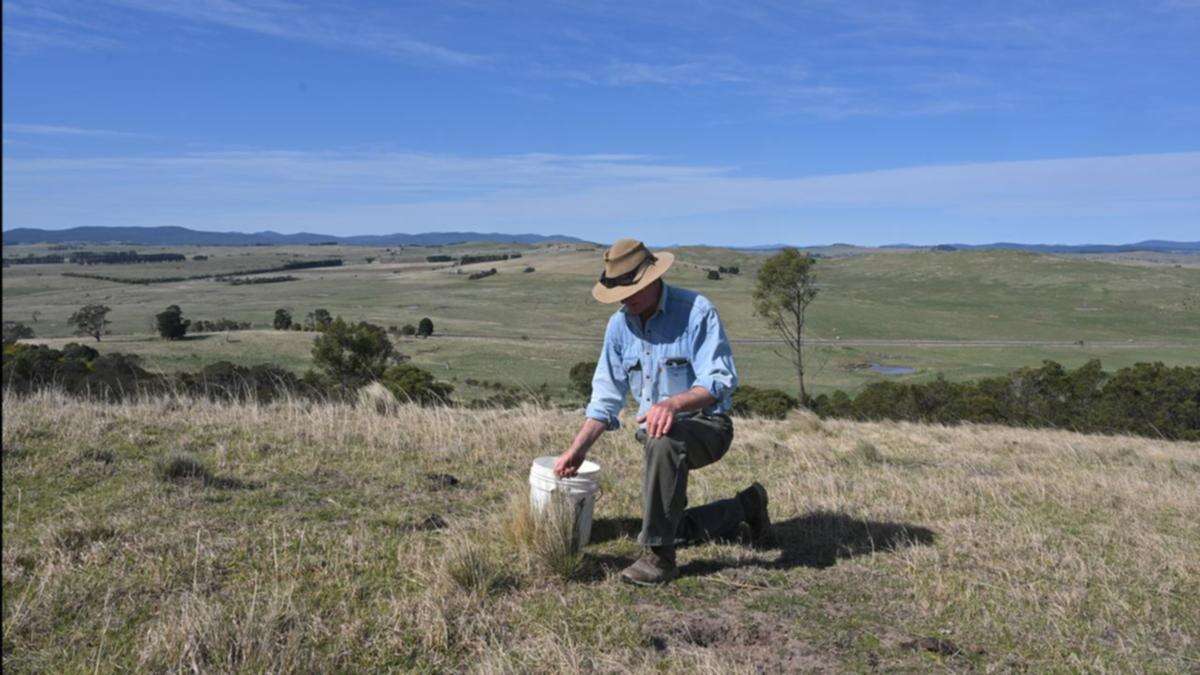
[425, 327]
[784, 289]
[90, 320]
[171, 324]
[283, 319]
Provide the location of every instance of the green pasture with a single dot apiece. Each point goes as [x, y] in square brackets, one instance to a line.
[1122, 313]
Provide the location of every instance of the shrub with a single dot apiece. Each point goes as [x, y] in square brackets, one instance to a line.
[754, 402]
[227, 381]
[425, 327]
[76, 369]
[581, 378]
[352, 355]
[1148, 399]
[318, 319]
[283, 319]
[714, 275]
[409, 330]
[170, 323]
[409, 383]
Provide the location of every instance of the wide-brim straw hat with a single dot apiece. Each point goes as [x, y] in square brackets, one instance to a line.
[628, 268]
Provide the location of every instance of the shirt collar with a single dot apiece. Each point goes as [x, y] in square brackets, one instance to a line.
[662, 302]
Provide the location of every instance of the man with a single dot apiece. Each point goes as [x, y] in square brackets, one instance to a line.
[667, 347]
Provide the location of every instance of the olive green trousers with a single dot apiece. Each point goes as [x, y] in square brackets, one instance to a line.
[694, 441]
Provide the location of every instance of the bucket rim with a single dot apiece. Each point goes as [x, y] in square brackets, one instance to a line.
[543, 467]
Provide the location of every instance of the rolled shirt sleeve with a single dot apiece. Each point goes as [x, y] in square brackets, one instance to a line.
[713, 357]
[610, 383]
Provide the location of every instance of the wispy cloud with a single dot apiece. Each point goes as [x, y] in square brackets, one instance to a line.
[314, 24]
[56, 130]
[93, 24]
[598, 195]
[821, 58]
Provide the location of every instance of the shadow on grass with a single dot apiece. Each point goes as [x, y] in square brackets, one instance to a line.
[821, 538]
[817, 540]
[608, 529]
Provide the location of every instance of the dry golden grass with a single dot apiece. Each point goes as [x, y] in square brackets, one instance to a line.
[326, 537]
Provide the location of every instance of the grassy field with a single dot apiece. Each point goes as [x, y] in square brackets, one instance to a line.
[1122, 313]
[181, 535]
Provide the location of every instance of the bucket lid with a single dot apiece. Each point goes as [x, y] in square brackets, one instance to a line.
[544, 466]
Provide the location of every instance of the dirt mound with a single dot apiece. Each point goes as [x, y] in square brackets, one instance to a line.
[753, 638]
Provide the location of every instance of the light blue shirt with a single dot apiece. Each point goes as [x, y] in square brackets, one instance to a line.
[682, 345]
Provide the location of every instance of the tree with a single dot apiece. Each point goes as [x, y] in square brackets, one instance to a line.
[785, 287]
[283, 319]
[90, 320]
[318, 319]
[581, 377]
[15, 330]
[171, 324]
[352, 354]
[425, 327]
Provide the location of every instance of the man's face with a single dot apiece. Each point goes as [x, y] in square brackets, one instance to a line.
[643, 300]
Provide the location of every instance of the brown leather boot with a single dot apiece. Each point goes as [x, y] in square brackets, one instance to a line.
[754, 502]
[656, 566]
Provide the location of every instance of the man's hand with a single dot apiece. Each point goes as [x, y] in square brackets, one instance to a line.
[568, 463]
[660, 417]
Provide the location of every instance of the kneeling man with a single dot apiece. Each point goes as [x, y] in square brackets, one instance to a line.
[666, 346]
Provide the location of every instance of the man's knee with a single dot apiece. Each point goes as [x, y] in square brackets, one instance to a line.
[660, 450]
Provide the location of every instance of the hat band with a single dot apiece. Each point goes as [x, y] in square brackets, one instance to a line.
[629, 278]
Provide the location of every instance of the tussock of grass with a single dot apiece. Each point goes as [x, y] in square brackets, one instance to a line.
[183, 468]
[101, 456]
[475, 566]
[376, 397]
[866, 452]
[546, 540]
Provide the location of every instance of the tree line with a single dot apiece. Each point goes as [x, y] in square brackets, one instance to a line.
[143, 281]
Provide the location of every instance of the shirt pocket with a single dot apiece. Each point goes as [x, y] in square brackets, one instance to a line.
[633, 373]
[676, 375]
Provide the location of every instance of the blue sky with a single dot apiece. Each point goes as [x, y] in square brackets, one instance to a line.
[706, 122]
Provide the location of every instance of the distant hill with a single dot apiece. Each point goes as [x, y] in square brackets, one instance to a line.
[182, 236]
[1154, 245]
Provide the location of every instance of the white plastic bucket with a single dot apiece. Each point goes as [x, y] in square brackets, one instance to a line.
[577, 492]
